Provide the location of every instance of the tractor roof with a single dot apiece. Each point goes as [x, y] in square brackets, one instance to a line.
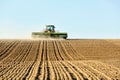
[50, 26]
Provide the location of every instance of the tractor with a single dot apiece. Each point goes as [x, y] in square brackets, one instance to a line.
[50, 32]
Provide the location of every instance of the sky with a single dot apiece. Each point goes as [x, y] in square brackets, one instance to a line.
[79, 18]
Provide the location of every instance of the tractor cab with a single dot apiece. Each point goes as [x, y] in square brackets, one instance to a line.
[50, 28]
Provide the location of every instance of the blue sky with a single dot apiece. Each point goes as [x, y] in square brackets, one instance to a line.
[80, 18]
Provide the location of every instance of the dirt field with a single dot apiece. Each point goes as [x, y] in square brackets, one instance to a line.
[60, 59]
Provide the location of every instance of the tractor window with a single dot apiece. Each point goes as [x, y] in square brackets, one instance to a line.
[49, 28]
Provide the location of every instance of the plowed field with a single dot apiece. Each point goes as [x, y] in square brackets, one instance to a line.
[60, 59]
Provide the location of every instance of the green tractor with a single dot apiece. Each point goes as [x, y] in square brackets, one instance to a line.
[50, 33]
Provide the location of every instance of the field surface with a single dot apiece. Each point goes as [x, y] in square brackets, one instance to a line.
[60, 59]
